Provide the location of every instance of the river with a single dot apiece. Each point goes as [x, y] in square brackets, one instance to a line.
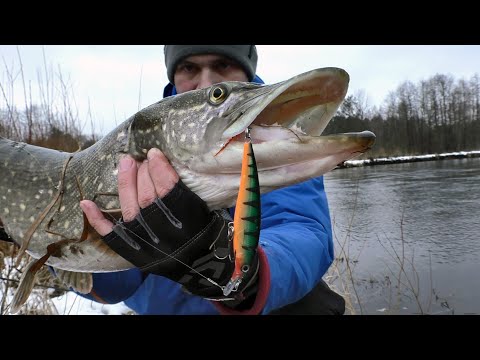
[407, 237]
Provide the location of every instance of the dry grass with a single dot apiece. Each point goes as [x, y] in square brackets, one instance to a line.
[52, 122]
[340, 275]
[46, 288]
[399, 286]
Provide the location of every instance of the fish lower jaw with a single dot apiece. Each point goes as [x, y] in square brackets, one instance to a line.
[286, 175]
[220, 190]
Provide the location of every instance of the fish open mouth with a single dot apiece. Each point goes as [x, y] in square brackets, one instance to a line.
[304, 104]
[286, 121]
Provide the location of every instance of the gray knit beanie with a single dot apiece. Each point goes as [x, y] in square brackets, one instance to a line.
[244, 55]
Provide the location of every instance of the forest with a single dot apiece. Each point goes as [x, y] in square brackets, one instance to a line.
[440, 114]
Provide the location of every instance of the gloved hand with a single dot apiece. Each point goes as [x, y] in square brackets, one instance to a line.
[179, 238]
[167, 230]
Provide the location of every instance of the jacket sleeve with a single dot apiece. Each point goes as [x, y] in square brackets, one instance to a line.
[296, 239]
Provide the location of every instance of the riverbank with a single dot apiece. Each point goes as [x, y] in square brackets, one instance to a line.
[406, 159]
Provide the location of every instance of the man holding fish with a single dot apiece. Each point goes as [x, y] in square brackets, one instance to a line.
[295, 246]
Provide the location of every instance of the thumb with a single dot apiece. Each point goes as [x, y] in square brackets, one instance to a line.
[96, 218]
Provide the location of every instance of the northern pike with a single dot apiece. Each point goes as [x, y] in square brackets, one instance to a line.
[201, 133]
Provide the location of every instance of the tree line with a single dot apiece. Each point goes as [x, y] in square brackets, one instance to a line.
[432, 116]
[50, 119]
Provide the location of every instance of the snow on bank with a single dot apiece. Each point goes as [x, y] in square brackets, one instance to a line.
[67, 304]
[73, 304]
[404, 159]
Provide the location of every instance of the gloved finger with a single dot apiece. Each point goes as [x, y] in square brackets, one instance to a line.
[127, 188]
[163, 175]
[145, 190]
[96, 218]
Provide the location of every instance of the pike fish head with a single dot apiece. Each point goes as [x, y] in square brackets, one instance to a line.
[202, 121]
[201, 132]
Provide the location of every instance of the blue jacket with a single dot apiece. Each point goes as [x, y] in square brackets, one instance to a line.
[296, 236]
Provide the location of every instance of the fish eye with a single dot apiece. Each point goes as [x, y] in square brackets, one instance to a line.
[218, 94]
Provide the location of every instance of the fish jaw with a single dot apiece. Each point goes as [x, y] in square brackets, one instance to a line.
[284, 158]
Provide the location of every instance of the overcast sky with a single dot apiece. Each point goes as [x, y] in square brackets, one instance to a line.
[117, 80]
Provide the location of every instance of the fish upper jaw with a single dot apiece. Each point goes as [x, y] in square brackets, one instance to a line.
[307, 101]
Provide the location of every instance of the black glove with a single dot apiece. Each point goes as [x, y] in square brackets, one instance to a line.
[179, 238]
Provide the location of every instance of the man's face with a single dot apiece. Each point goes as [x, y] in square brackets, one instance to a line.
[200, 71]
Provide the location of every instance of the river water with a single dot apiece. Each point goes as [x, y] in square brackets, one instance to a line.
[407, 237]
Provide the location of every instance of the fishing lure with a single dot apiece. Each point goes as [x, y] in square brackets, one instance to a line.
[246, 222]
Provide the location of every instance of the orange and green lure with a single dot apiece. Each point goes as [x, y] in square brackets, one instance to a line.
[246, 222]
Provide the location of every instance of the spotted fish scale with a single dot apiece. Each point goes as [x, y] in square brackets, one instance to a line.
[56, 181]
